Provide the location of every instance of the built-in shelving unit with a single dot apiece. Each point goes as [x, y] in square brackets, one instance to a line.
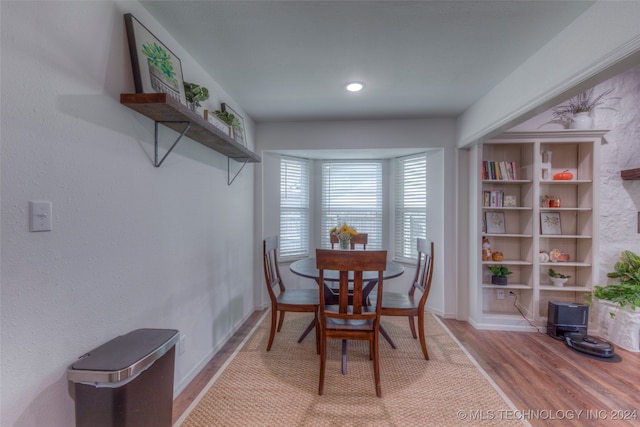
[164, 110]
[523, 240]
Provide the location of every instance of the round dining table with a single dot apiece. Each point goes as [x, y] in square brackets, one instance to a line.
[306, 267]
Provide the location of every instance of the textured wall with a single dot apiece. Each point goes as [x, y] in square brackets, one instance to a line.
[620, 200]
[132, 246]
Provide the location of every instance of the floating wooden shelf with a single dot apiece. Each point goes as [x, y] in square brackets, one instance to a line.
[172, 114]
[630, 174]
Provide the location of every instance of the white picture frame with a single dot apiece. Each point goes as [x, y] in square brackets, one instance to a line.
[495, 222]
[550, 223]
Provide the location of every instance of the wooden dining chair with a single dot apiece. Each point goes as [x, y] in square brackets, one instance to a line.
[358, 239]
[411, 304]
[350, 319]
[282, 299]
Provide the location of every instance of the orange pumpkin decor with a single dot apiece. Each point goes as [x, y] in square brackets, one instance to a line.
[563, 176]
[497, 256]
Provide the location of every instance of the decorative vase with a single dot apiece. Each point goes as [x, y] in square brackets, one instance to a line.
[581, 121]
[620, 325]
[345, 243]
[558, 281]
[499, 280]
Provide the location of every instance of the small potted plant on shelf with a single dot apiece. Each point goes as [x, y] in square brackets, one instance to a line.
[577, 112]
[619, 303]
[499, 274]
[194, 94]
[557, 279]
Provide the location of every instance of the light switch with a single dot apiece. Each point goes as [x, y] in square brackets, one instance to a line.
[40, 216]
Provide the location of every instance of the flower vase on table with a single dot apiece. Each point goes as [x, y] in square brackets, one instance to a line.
[344, 233]
[345, 242]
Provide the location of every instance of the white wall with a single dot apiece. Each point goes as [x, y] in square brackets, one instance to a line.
[620, 200]
[371, 135]
[132, 246]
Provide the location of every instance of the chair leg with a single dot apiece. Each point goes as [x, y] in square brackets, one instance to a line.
[317, 322]
[281, 321]
[423, 342]
[376, 364]
[323, 355]
[411, 325]
[272, 332]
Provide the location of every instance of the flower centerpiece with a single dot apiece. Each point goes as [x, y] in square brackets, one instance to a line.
[579, 108]
[344, 233]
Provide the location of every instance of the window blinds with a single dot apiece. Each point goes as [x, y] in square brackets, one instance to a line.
[352, 193]
[294, 207]
[410, 205]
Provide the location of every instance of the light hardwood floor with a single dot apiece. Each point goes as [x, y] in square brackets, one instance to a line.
[547, 382]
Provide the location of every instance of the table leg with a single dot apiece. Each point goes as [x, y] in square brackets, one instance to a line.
[387, 337]
[306, 331]
[344, 357]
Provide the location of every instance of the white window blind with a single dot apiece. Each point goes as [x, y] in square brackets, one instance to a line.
[294, 207]
[410, 205]
[352, 193]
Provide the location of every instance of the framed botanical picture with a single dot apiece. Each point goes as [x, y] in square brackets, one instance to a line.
[155, 68]
[495, 222]
[238, 124]
[214, 120]
[510, 201]
[550, 223]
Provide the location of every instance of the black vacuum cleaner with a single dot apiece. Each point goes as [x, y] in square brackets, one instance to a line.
[569, 322]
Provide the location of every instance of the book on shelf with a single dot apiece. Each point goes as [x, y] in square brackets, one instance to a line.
[499, 171]
[497, 199]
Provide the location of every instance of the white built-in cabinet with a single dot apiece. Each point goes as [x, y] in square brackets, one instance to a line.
[535, 157]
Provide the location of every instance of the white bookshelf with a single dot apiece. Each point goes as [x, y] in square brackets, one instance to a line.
[574, 150]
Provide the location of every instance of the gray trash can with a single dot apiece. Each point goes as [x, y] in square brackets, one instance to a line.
[127, 381]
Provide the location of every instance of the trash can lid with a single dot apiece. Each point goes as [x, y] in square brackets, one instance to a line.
[123, 357]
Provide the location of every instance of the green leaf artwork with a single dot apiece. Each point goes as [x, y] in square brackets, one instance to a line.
[159, 58]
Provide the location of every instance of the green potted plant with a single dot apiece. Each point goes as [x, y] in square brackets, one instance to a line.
[194, 94]
[556, 278]
[499, 274]
[619, 303]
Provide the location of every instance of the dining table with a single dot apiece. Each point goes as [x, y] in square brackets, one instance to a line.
[306, 267]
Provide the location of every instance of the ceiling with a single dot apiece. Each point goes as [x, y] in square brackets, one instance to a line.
[289, 60]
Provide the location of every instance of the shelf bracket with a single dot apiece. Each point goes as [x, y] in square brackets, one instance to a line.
[229, 179]
[155, 159]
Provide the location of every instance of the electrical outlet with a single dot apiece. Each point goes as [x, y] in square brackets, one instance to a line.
[500, 293]
[512, 294]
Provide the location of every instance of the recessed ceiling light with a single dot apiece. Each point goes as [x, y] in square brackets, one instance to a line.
[354, 86]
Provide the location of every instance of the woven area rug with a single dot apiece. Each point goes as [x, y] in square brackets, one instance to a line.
[280, 387]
